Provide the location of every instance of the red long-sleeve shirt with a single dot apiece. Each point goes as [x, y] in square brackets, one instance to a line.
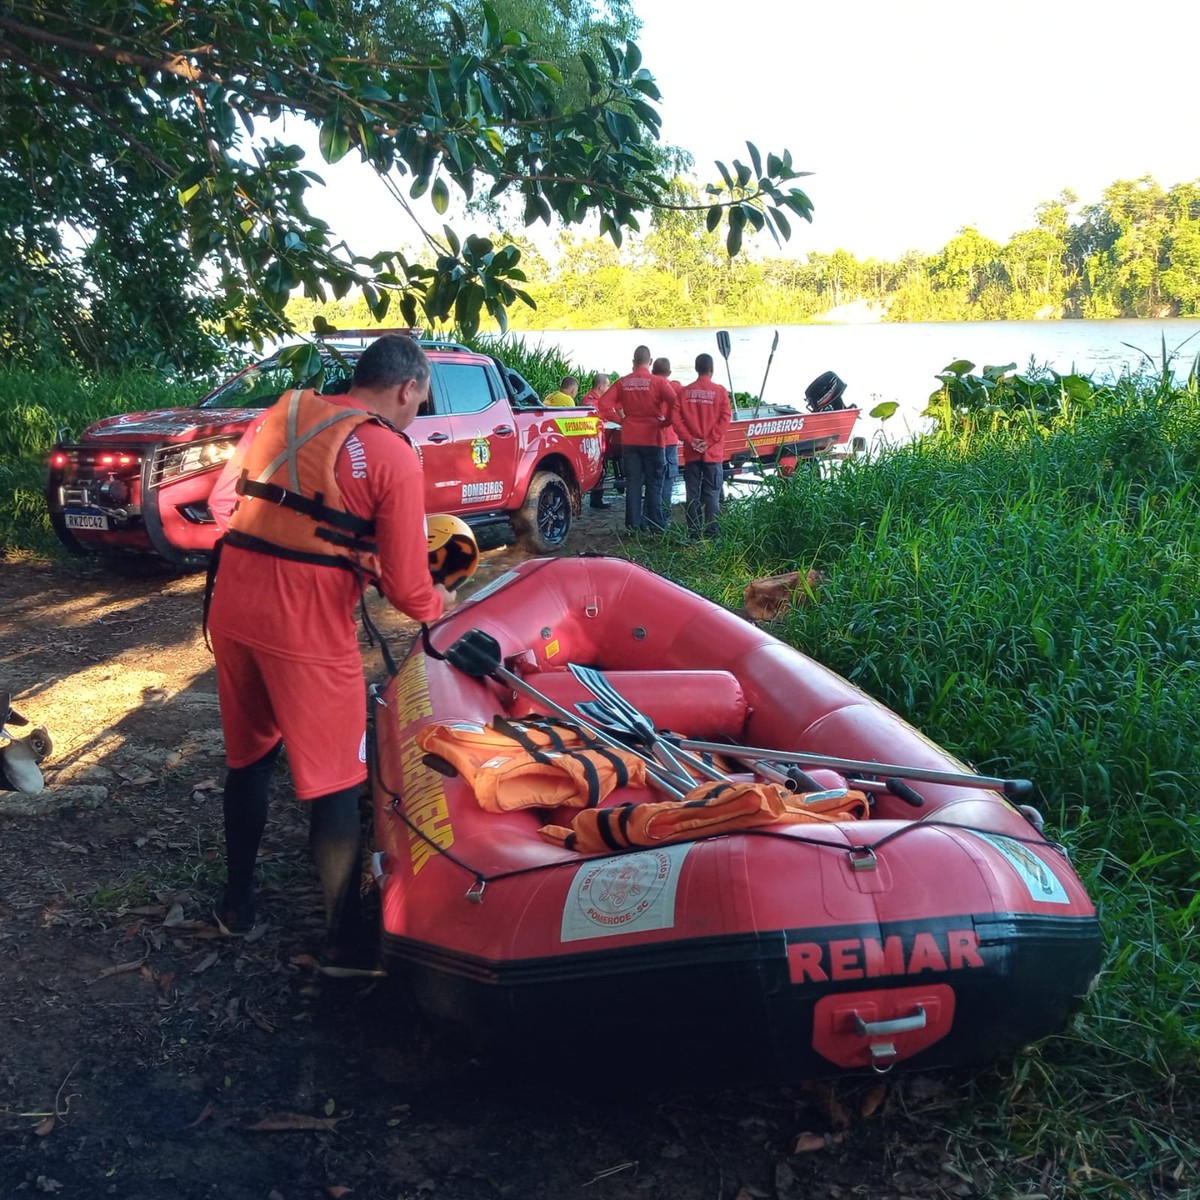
[643, 404]
[305, 611]
[703, 414]
[670, 437]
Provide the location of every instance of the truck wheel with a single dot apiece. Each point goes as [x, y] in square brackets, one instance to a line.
[545, 518]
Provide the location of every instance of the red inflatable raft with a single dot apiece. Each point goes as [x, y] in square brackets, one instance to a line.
[942, 929]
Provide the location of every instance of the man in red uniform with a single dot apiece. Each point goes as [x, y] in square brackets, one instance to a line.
[662, 368]
[592, 399]
[330, 497]
[701, 418]
[643, 403]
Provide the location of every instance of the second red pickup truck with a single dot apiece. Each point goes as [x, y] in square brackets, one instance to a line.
[137, 486]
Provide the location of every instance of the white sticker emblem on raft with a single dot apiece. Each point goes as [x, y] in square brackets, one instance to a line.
[491, 588]
[1042, 882]
[630, 893]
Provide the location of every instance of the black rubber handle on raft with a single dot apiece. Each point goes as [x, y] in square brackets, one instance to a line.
[435, 762]
[1018, 789]
[476, 654]
[902, 791]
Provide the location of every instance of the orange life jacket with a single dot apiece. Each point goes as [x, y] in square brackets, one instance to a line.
[532, 763]
[706, 811]
[289, 501]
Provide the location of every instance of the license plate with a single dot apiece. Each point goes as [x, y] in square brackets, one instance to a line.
[85, 520]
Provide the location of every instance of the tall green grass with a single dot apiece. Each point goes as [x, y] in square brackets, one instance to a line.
[35, 405]
[1031, 600]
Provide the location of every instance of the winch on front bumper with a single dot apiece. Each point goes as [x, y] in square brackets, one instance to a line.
[126, 500]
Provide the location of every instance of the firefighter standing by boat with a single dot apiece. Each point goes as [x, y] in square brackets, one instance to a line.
[330, 498]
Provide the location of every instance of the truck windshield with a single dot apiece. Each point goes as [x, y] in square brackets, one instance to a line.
[263, 384]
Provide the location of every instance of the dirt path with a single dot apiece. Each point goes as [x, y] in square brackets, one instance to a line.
[139, 1050]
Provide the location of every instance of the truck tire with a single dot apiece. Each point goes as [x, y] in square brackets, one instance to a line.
[544, 520]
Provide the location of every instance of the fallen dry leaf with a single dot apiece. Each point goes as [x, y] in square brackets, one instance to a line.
[873, 1099]
[118, 969]
[806, 1143]
[47, 1126]
[207, 961]
[206, 1112]
[174, 917]
[289, 1122]
[337, 1191]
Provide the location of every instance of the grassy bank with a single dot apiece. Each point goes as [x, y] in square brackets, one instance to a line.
[1031, 600]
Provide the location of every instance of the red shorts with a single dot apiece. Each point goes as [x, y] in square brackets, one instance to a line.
[319, 709]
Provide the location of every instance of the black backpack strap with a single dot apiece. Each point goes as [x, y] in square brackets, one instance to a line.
[310, 506]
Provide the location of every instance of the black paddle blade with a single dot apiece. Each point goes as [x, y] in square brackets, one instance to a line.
[723, 342]
[476, 654]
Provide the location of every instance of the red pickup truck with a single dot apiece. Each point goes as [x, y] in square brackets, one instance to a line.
[137, 486]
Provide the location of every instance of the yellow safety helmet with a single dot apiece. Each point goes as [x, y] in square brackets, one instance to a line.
[453, 551]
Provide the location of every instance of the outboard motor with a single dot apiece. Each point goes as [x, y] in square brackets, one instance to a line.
[824, 394]
[20, 758]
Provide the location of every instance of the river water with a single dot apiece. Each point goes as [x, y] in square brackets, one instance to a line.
[887, 362]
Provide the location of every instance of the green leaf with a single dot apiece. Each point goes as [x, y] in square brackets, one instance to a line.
[737, 222]
[593, 72]
[725, 175]
[633, 57]
[713, 219]
[491, 23]
[784, 225]
[440, 196]
[334, 140]
[303, 361]
[452, 240]
[884, 409]
[456, 23]
[755, 158]
[743, 173]
[614, 63]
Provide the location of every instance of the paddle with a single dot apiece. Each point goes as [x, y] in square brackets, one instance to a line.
[639, 724]
[770, 359]
[632, 724]
[1013, 788]
[723, 346]
[477, 654]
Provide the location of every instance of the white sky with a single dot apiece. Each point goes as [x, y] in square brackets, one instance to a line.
[917, 117]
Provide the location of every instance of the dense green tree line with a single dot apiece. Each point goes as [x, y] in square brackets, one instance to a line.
[1136, 253]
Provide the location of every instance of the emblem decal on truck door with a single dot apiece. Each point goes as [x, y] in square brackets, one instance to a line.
[481, 452]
